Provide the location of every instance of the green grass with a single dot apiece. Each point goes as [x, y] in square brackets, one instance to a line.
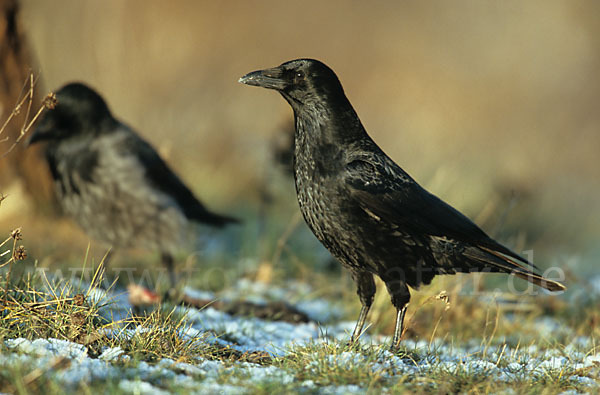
[40, 308]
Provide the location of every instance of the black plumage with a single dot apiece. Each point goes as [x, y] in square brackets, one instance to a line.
[370, 214]
[112, 182]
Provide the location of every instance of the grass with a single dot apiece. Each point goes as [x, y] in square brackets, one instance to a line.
[447, 323]
[334, 364]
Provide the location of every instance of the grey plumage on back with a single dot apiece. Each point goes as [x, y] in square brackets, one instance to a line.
[113, 201]
[370, 214]
[112, 182]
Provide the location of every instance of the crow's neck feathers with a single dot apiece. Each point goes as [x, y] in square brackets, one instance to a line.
[324, 119]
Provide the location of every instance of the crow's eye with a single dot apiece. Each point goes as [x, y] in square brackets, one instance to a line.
[298, 77]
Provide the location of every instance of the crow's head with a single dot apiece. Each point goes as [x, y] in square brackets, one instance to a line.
[80, 111]
[301, 82]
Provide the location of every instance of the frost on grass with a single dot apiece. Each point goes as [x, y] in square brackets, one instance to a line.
[318, 310]
[307, 357]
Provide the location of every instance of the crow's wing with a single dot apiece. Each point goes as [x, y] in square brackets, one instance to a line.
[386, 191]
[383, 188]
[161, 177]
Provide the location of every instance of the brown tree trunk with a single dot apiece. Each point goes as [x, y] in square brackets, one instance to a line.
[16, 63]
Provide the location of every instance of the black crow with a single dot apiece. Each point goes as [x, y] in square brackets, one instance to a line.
[370, 214]
[112, 182]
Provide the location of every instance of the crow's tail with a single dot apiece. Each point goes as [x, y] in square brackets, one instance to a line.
[206, 217]
[491, 258]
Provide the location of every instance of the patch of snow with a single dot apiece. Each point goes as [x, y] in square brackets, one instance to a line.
[198, 294]
[552, 363]
[212, 387]
[592, 360]
[587, 381]
[111, 354]
[140, 387]
[342, 390]
[319, 310]
[43, 347]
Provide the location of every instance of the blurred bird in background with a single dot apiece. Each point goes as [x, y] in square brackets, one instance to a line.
[370, 214]
[112, 182]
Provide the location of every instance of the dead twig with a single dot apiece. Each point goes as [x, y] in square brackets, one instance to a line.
[49, 102]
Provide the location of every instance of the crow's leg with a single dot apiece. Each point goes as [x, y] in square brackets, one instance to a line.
[169, 262]
[366, 292]
[398, 329]
[400, 298]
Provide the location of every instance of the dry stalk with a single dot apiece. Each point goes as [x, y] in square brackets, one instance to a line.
[49, 102]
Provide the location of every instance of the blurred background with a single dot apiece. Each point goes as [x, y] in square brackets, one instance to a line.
[493, 106]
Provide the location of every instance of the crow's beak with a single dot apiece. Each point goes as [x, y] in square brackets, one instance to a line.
[33, 138]
[40, 133]
[268, 78]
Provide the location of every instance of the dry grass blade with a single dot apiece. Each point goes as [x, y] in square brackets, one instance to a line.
[159, 335]
[35, 307]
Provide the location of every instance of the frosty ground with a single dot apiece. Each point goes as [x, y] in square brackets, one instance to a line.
[310, 357]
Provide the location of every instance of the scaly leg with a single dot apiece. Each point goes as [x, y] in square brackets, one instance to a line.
[169, 262]
[366, 292]
[399, 328]
[400, 294]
